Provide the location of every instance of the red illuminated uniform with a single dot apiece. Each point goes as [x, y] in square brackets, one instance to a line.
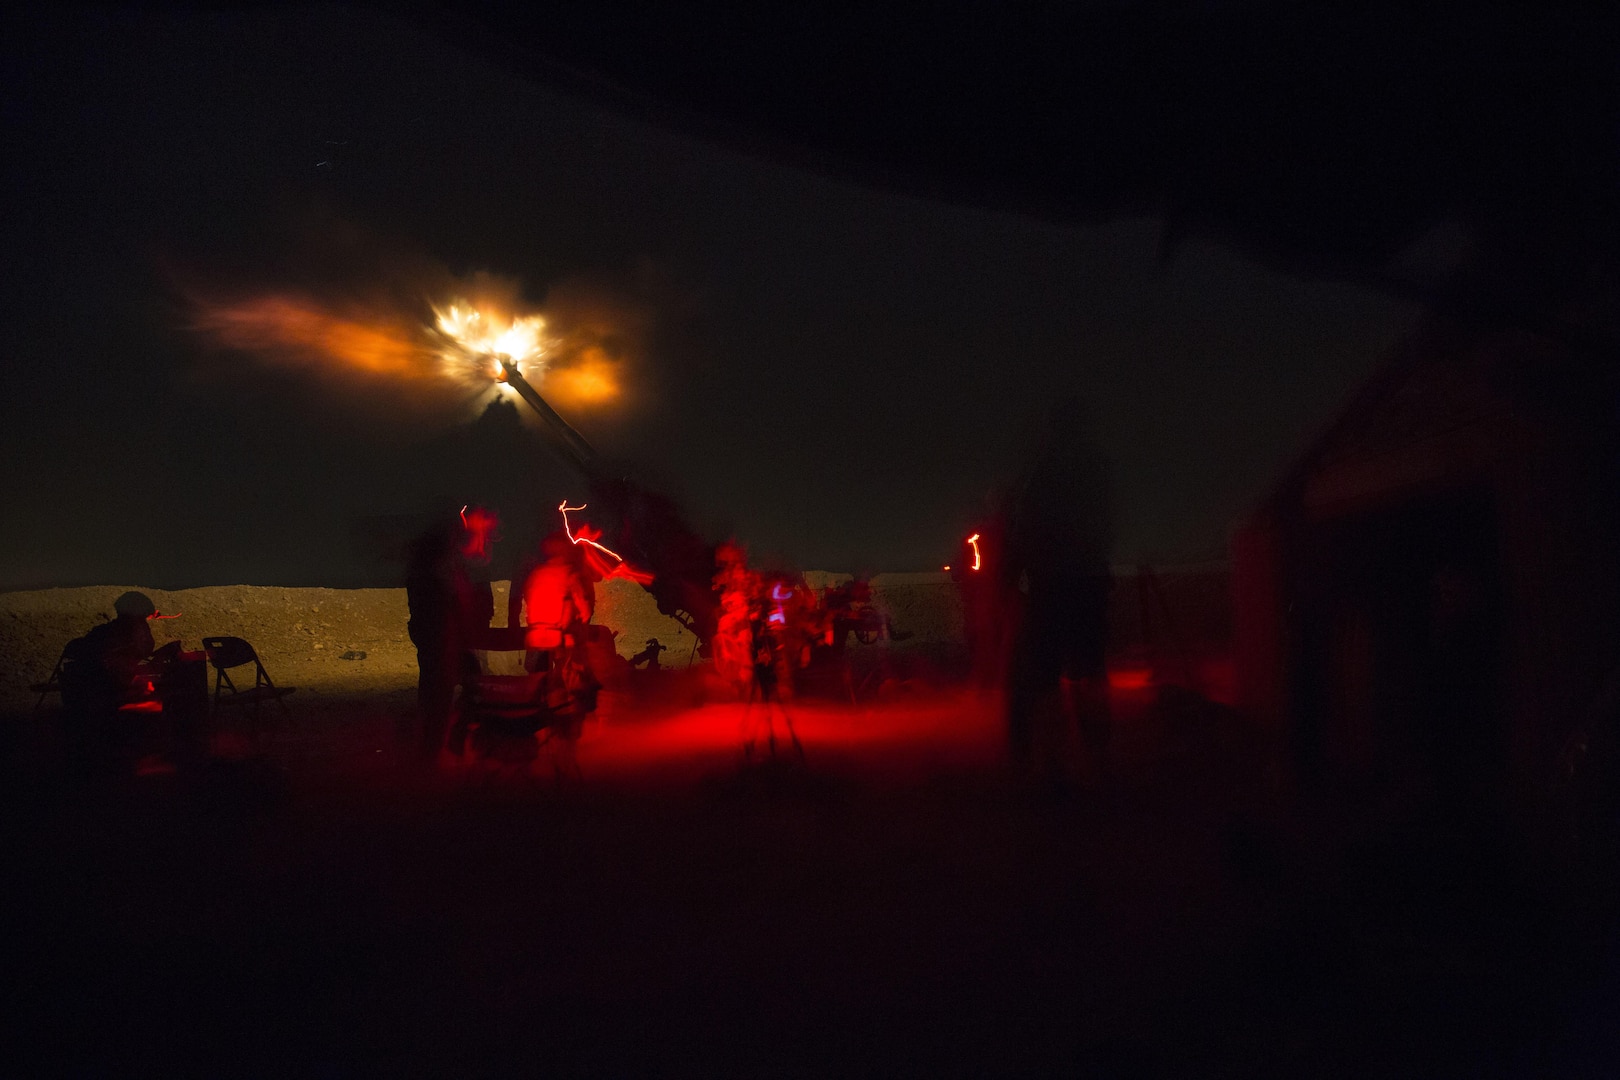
[734, 637]
[783, 630]
[558, 600]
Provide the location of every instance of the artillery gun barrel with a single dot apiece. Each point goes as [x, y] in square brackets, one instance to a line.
[572, 443]
[682, 563]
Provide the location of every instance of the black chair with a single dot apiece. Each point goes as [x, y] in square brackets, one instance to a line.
[53, 685]
[225, 653]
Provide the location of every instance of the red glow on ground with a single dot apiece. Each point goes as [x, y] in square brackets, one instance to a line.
[917, 733]
[973, 542]
[1130, 678]
[912, 734]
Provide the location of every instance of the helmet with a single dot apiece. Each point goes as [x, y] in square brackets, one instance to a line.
[136, 605]
[556, 545]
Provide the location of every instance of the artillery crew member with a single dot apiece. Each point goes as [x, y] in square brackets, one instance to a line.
[559, 600]
[101, 671]
[736, 587]
[1059, 544]
[445, 605]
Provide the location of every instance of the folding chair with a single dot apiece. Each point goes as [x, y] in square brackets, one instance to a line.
[225, 653]
[52, 685]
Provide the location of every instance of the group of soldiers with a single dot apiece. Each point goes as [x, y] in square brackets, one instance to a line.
[452, 606]
[1035, 581]
[773, 629]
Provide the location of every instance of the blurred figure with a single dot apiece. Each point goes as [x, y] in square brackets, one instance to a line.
[736, 588]
[445, 606]
[1058, 547]
[784, 617]
[559, 602]
[480, 529]
[103, 670]
[767, 691]
[851, 608]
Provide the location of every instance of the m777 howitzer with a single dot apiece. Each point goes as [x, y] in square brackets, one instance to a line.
[651, 532]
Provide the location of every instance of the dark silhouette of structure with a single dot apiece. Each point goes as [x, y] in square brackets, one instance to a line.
[1426, 601]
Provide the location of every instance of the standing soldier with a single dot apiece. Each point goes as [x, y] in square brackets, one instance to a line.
[445, 605]
[1059, 543]
[436, 591]
[733, 649]
[559, 600]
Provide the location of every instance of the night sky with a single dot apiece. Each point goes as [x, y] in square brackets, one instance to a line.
[836, 374]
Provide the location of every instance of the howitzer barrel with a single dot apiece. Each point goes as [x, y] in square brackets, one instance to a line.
[572, 443]
[652, 530]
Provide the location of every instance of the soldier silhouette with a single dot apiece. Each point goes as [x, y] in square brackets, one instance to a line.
[1059, 543]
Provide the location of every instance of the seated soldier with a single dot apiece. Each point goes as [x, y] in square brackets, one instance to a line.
[103, 670]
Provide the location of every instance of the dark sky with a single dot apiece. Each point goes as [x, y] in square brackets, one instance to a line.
[837, 374]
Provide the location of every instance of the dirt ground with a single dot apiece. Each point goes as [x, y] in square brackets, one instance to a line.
[315, 901]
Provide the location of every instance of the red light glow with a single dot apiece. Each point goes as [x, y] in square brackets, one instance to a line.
[587, 536]
[480, 526]
[1130, 678]
[778, 616]
[582, 538]
[973, 542]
